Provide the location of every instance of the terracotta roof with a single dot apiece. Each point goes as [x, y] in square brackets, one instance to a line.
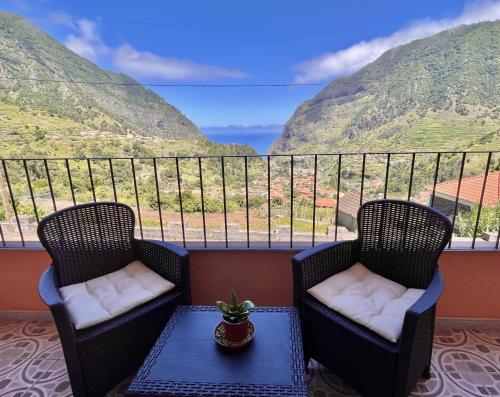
[470, 189]
[326, 202]
[349, 203]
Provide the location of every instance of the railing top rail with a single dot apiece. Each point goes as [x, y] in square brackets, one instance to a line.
[251, 155]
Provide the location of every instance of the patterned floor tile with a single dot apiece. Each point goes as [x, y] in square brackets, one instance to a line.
[17, 376]
[28, 340]
[53, 383]
[465, 362]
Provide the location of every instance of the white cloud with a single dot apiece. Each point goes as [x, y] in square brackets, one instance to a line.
[146, 64]
[86, 41]
[349, 60]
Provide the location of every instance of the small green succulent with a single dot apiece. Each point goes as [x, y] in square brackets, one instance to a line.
[235, 312]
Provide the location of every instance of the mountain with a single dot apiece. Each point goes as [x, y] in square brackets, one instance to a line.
[114, 116]
[437, 93]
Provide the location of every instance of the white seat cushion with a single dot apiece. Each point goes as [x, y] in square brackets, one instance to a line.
[105, 297]
[367, 298]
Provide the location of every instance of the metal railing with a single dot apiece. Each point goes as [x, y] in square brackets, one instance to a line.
[287, 187]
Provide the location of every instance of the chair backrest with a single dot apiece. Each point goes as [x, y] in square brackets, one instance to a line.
[402, 240]
[88, 240]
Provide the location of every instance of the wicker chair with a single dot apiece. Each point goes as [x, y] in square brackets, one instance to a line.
[398, 240]
[91, 240]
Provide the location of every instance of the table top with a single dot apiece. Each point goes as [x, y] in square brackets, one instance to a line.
[187, 361]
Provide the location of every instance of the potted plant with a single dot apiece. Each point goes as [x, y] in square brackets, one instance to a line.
[235, 317]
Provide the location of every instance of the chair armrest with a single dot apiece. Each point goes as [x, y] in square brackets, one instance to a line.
[316, 264]
[49, 293]
[168, 260]
[47, 288]
[429, 298]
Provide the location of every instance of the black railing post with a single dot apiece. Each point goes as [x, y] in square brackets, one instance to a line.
[13, 202]
[314, 198]
[269, 200]
[33, 201]
[202, 203]
[112, 174]
[246, 202]
[91, 177]
[224, 197]
[49, 181]
[179, 189]
[136, 196]
[363, 164]
[485, 181]
[436, 173]
[158, 200]
[338, 197]
[410, 182]
[387, 174]
[291, 201]
[70, 180]
[455, 207]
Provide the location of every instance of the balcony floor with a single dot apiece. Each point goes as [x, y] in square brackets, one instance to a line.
[466, 362]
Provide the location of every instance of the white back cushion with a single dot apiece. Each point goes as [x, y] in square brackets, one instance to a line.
[367, 298]
[105, 297]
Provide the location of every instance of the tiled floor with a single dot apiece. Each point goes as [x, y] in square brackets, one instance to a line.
[466, 362]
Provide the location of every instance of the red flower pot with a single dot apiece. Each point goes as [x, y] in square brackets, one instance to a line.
[236, 332]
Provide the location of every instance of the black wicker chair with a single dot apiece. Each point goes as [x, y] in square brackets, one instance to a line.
[88, 241]
[401, 241]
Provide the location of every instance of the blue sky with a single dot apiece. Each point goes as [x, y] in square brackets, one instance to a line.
[233, 42]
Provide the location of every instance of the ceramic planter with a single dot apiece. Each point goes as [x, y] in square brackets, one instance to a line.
[236, 332]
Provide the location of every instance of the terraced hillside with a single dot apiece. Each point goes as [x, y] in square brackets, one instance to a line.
[438, 93]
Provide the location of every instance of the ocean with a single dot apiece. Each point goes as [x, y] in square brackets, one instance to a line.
[261, 140]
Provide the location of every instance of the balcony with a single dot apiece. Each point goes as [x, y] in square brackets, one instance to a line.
[287, 203]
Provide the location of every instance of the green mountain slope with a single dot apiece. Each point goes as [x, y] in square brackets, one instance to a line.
[437, 93]
[29, 53]
[39, 107]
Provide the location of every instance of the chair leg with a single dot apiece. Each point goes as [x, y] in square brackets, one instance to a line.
[427, 372]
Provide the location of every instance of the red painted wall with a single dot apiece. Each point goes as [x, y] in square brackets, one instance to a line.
[472, 279]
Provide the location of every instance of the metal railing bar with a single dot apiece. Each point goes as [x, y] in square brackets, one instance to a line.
[498, 235]
[224, 198]
[436, 173]
[455, 207]
[136, 196]
[70, 180]
[179, 189]
[386, 184]
[269, 200]
[485, 181]
[158, 200]
[251, 155]
[13, 202]
[91, 177]
[314, 199]
[338, 196]
[363, 164]
[246, 202]
[202, 203]
[410, 182]
[49, 181]
[112, 174]
[291, 201]
[30, 187]
[2, 237]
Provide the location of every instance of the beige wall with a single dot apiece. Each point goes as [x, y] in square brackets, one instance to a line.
[472, 279]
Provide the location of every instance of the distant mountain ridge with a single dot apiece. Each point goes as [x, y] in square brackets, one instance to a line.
[35, 59]
[437, 93]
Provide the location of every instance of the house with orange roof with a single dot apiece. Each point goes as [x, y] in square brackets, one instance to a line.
[469, 194]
